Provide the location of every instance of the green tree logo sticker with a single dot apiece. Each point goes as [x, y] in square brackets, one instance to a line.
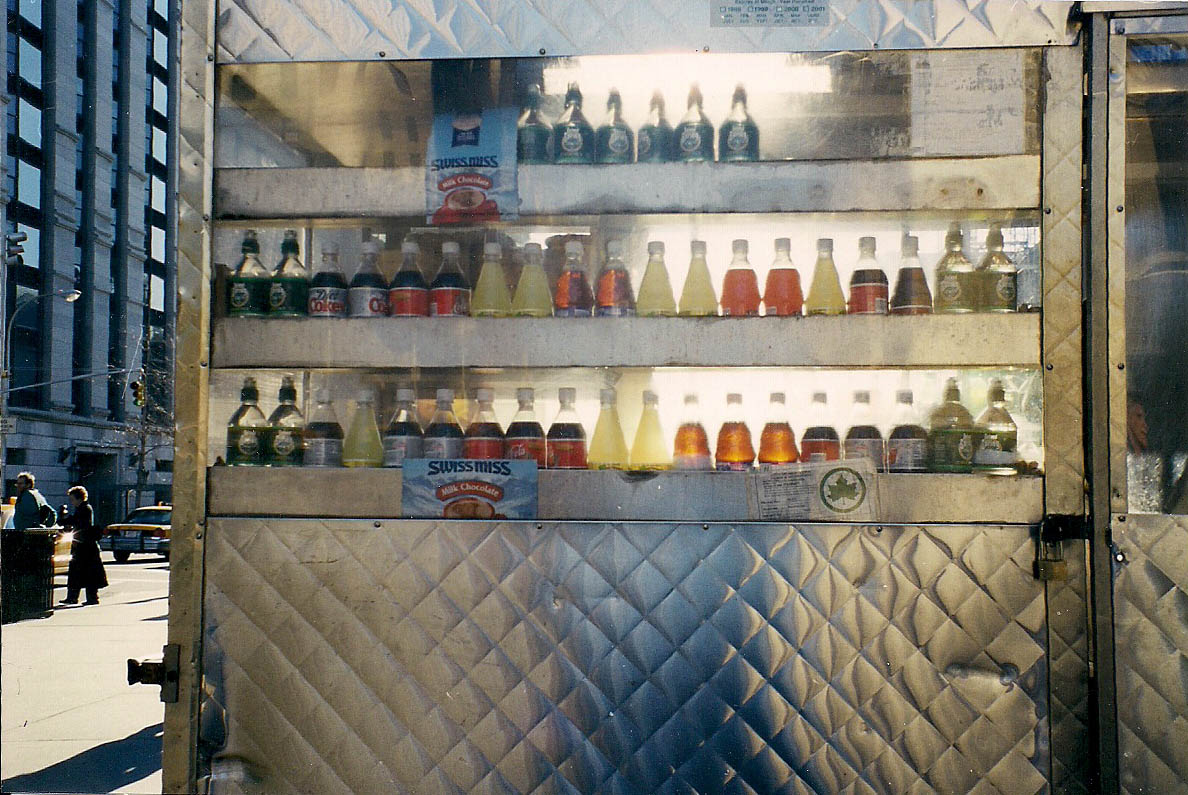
[843, 490]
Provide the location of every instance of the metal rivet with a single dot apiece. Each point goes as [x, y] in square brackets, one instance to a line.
[1120, 557]
[1122, 518]
[1120, 28]
[1119, 208]
[540, 527]
[378, 525]
[383, 54]
[705, 48]
[1048, 366]
[1121, 365]
[705, 527]
[1047, 211]
[541, 50]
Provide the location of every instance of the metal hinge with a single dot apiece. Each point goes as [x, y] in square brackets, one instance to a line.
[1049, 547]
[163, 672]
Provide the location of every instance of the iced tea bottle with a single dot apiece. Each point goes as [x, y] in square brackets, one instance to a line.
[286, 428]
[996, 453]
[608, 449]
[996, 276]
[328, 288]
[907, 446]
[655, 291]
[443, 437]
[533, 298]
[247, 428]
[868, 284]
[863, 439]
[323, 434]
[533, 133]
[738, 138]
[697, 296]
[573, 137]
[912, 296]
[740, 288]
[491, 297]
[649, 451]
[735, 452]
[614, 297]
[693, 137]
[825, 293]
[690, 449]
[403, 438]
[449, 294]
[288, 290]
[952, 438]
[565, 445]
[484, 437]
[363, 447]
[573, 297]
[525, 438]
[408, 294]
[820, 441]
[368, 293]
[781, 293]
[654, 142]
[614, 141]
[956, 283]
[249, 284]
[777, 443]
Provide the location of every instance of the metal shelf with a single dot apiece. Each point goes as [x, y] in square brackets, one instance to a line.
[924, 341]
[945, 184]
[665, 496]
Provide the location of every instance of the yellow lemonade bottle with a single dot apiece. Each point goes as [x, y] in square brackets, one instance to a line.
[698, 298]
[362, 446]
[655, 291]
[491, 297]
[533, 297]
[649, 451]
[608, 450]
[825, 295]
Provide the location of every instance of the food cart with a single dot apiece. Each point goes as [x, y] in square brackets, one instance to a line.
[775, 629]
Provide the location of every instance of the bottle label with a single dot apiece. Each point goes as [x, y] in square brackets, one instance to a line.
[288, 297]
[868, 299]
[327, 302]
[247, 297]
[644, 142]
[692, 462]
[998, 292]
[737, 139]
[443, 447]
[398, 448]
[951, 449]
[618, 141]
[767, 466]
[571, 141]
[566, 454]
[907, 455]
[526, 449]
[949, 289]
[865, 448]
[367, 302]
[449, 302]
[996, 450]
[733, 466]
[244, 445]
[824, 450]
[615, 311]
[323, 452]
[285, 447]
[690, 142]
[485, 448]
[954, 291]
[408, 302]
[571, 311]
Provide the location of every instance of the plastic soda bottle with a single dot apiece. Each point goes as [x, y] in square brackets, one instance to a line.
[449, 294]
[247, 428]
[693, 137]
[328, 288]
[956, 283]
[573, 297]
[825, 293]
[286, 427]
[698, 298]
[533, 298]
[533, 133]
[368, 293]
[738, 137]
[996, 275]
[649, 451]
[690, 449]
[573, 137]
[740, 287]
[868, 284]
[484, 437]
[655, 291]
[912, 296]
[491, 297]
[615, 141]
[608, 449]
[952, 439]
[614, 297]
[820, 441]
[781, 293]
[565, 445]
[248, 285]
[323, 434]
[443, 437]
[863, 439]
[735, 452]
[363, 447]
[408, 294]
[654, 142]
[907, 446]
[777, 443]
[525, 438]
[996, 453]
[288, 288]
[403, 438]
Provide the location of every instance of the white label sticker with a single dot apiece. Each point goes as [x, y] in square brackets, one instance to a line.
[827, 491]
[762, 13]
[967, 102]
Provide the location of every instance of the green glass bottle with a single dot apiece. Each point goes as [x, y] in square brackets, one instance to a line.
[956, 282]
[288, 287]
[573, 137]
[654, 142]
[952, 436]
[533, 133]
[693, 138]
[248, 284]
[738, 137]
[615, 141]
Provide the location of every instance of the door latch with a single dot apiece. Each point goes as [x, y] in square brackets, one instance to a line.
[1049, 546]
[163, 672]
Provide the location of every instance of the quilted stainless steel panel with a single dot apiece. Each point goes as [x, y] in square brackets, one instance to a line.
[1151, 620]
[1116, 263]
[474, 657]
[331, 30]
[1068, 663]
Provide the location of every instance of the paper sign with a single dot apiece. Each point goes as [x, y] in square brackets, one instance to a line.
[455, 489]
[760, 13]
[830, 491]
[967, 102]
[470, 176]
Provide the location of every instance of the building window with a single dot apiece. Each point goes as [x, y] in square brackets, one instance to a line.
[29, 123]
[29, 184]
[160, 97]
[29, 64]
[157, 251]
[158, 195]
[160, 48]
[31, 11]
[156, 293]
[32, 246]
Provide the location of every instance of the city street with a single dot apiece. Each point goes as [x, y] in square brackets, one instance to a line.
[70, 721]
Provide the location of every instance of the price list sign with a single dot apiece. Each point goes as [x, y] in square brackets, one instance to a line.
[967, 103]
[759, 13]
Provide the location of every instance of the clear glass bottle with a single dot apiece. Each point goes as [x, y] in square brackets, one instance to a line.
[698, 298]
[573, 137]
[912, 296]
[655, 291]
[868, 284]
[525, 438]
[825, 293]
[403, 438]
[693, 137]
[738, 137]
[565, 444]
[782, 295]
[247, 429]
[443, 437]
[614, 141]
[367, 295]
[956, 284]
[654, 141]
[952, 439]
[286, 428]
[690, 449]
[249, 283]
[608, 448]
[648, 450]
[740, 286]
[533, 297]
[408, 294]
[820, 441]
[491, 297]
[996, 275]
[997, 448]
[362, 446]
[484, 435]
[328, 288]
[614, 297]
[288, 289]
[533, 133]
[573, 297]
[907, 446]
[323, 434]
[449, 293]
[863, 439]
[734, 452]
[777, 442]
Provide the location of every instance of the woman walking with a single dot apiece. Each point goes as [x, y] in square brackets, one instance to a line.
[86, 567]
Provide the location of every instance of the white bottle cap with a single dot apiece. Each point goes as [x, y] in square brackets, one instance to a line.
[371, 247]
[567, 394]
[450, 247]
[406, 395]
[650, 398]
[366, 396]
[606, 397]
[409, 247]
[322, 395]
[911, 246]
[655, 247]
[862, 396]
[733, 398]
[904, 396]
[445, 395]
[819, 397]
[698, 248]
[329, 247]
[866, 244]
[614, 248]
[739, 246]
[783, 244]
[573, 248]
[484, 395]
[691, 399]
[532, 248]
[825, 244]
[525, 394]
[777, 397]
[492, 250]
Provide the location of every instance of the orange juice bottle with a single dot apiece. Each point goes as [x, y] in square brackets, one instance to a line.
[735, 452]
[777, 443]
[690, 450]
[782, 294]
[740, 288]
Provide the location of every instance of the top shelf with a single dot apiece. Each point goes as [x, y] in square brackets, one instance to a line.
[941, 184]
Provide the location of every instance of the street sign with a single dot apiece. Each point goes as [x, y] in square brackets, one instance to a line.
[7, 425]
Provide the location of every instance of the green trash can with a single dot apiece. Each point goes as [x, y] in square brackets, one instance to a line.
[26, 574]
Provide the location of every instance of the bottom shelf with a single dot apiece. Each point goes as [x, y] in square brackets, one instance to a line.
[618, 496]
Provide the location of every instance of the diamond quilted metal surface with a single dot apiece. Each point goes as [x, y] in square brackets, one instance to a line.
[332, 30]
[1068, 690]
[471, 657]
[1151, 652]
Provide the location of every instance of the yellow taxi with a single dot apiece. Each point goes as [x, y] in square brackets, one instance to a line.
[146, 529]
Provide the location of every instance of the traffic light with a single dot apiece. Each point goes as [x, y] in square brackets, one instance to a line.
[13, 248]
[138, 396]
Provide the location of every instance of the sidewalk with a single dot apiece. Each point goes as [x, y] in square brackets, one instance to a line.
[70, 722]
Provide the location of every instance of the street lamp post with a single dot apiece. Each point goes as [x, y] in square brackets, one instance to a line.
[69, 296]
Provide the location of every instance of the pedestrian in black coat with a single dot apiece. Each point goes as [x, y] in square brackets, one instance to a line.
[86, 567]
